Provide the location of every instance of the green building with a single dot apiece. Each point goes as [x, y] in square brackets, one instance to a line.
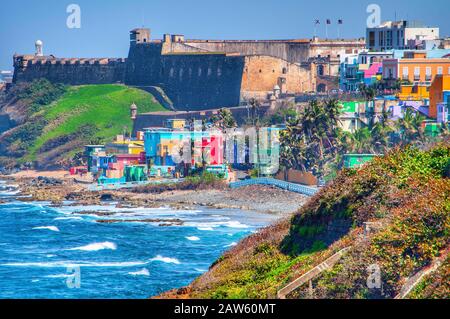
[357, 160]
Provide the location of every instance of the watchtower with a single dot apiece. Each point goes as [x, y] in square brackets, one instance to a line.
[139, 35]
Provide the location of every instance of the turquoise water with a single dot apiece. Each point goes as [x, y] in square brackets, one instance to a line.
[44, 250]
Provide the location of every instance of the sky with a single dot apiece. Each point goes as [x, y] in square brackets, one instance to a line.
[105, 24]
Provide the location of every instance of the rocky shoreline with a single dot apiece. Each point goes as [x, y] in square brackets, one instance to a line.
[261, 199]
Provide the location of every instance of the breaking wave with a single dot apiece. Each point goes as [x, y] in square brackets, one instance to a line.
[97, 246]
[167, 260]
[142, 272]
[52, 228]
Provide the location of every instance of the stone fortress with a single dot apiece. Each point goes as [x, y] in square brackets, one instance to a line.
[202, 74]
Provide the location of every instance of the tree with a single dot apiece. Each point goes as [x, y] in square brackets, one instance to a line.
[311, 141]
[224, 119]
[410, 127]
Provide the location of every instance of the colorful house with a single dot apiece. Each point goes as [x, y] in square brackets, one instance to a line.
[439, 94]
[354, 114]
[175, 124]
[89, 152]
[357, 160]
[161, 144]
[415, 67]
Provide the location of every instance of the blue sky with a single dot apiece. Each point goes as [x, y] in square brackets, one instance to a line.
[105, 23]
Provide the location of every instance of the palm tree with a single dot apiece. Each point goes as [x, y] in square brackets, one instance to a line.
[224, 119]
[410, 127]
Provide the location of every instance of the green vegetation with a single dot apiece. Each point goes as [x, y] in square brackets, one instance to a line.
[405, 192]
[314, 142]
[62, 119]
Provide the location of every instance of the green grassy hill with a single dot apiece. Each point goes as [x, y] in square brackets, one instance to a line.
[54, 133]
[406, 193]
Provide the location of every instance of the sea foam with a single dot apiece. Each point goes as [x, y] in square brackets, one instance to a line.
[167, 260]
[65, 264]
[142, 272]
[97, 246]
[192, 238]
[52, 228]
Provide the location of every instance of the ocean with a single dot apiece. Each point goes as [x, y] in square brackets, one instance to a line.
[62, 252]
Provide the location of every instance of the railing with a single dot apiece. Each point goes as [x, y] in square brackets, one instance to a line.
[310, 275]
[302, 189]
[115, 186]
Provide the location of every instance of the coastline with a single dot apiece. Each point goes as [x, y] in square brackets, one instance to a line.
[57, 187]
[252, 204]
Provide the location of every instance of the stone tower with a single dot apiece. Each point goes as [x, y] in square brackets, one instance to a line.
[139, 35]
[39, 48]
[133, 111]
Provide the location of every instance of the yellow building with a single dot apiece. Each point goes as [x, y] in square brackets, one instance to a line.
[414, 92]
[125, 147]
[175, 124]
[440, 84]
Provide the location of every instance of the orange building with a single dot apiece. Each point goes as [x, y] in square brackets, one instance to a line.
[415, 67]
[440, 84]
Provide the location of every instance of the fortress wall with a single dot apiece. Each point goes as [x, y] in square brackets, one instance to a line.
[179, 47]
[290, 51]
[195, 81]
[294, 51]
[262, 73]
[69, 71]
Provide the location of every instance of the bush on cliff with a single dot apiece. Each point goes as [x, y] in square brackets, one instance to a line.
[405, 193]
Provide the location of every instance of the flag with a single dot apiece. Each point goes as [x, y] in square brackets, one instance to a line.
[340, 21]
[317, 21]
[328, 21]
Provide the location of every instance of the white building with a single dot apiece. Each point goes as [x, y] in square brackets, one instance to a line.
[398, 35]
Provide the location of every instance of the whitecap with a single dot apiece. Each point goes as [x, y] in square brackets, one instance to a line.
[192, 238]
[231, 245]
[65, 264]
[200, 270]
[142, 272]
[97, 246]
[205, 228]
[52, 228]
[68, 218]
[59, 276]
[235, 224]
[167, 260]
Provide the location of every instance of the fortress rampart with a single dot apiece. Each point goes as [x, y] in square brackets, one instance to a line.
[202, 74]
[75, 71]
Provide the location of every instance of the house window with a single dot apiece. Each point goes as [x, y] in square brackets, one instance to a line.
[417, 74]
[428, 74]
[440, 70]
[405, 73]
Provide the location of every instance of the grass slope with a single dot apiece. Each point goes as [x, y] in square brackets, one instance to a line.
[84, 114]
[406, 192]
